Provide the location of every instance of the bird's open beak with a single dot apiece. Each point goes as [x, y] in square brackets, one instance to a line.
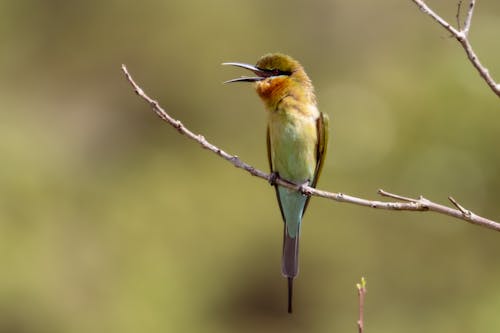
[261, 74]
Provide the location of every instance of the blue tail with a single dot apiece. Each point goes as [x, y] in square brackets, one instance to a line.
[292, 204]
[290, 259]
[290, 262]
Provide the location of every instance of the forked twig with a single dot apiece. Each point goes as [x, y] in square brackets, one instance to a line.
[461, 35]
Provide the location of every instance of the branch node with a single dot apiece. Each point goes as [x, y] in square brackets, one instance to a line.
[461, 36]
[234, 159]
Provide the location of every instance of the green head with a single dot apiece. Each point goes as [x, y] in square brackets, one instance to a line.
[277, 76]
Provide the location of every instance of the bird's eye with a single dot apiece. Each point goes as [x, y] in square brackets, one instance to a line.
[277, 72]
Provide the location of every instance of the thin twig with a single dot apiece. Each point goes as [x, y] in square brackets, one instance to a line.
[459, 9]
[395, 196]
[468, 18]
[426, 10]
[361, 296]
[408, 204]
[461, 35]
[464, 211]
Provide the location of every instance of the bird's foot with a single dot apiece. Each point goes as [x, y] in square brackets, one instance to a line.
[305, 189]
[272, 178]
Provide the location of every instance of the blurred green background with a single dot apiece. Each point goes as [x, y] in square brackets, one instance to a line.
[110, 221]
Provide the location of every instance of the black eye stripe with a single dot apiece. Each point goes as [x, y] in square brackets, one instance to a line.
[276, 72]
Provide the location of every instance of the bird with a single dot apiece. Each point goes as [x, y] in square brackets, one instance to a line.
[297, 139]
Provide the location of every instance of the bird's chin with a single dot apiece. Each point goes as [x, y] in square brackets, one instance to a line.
[271, 83]
[271, 90]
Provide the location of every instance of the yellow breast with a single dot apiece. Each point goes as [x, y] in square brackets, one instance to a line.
[293, 136]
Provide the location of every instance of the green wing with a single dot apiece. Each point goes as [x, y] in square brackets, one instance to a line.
[270, 159]
[322, 128]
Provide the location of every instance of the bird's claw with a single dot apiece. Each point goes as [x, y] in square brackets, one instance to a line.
[272, 178]
[304, 189]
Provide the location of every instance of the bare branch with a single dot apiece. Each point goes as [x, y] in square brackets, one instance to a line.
[408, 204]
[461, 35]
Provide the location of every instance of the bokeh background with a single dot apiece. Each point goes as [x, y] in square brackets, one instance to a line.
[110, 221]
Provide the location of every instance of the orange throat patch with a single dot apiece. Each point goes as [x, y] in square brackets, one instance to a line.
[272, 90]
